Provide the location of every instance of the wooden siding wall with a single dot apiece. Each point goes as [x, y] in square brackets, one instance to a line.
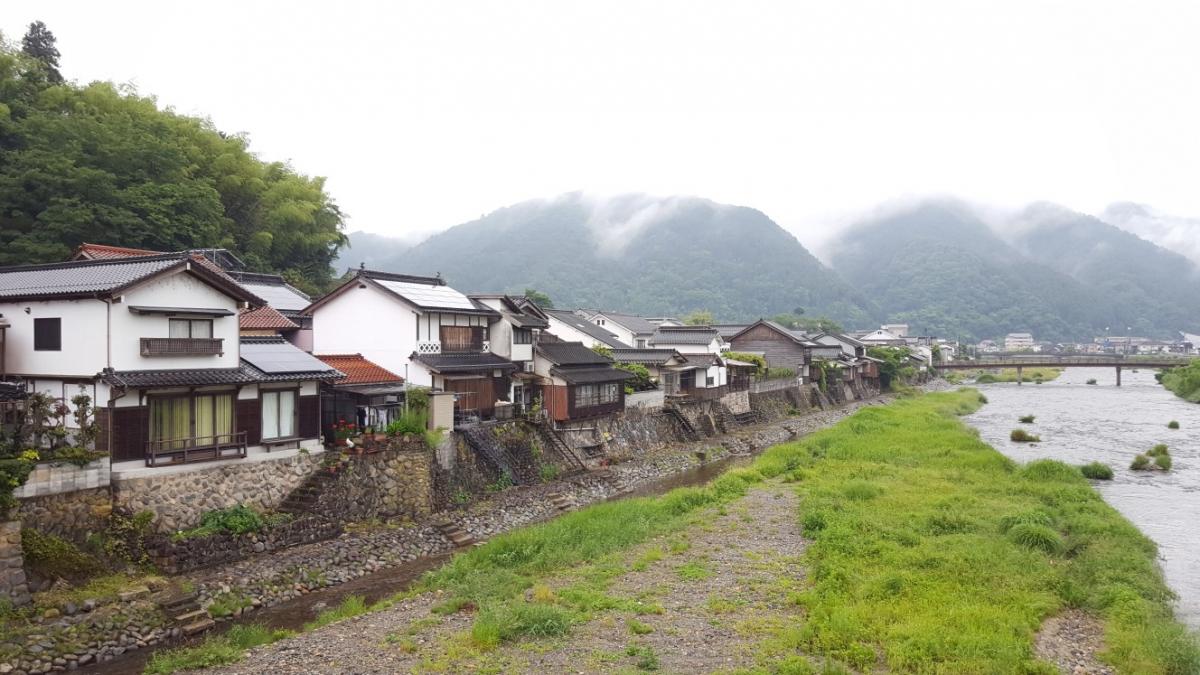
[554, 398]
[248, 418]
[130, 431]
[575, 412]
[483, 389]
[780, 351]
[309, 409]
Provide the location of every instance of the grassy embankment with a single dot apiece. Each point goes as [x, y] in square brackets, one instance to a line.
[984, 376]
[931, 552]
[1184, 381]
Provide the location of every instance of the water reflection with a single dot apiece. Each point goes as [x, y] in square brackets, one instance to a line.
[1081, 423]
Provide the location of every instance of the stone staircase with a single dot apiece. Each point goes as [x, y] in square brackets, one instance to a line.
[482, 440]
[185, 613]
[303, 500]
[685, 425]
[561, 502]
[747, 418]
[555, 442]
[454, 533]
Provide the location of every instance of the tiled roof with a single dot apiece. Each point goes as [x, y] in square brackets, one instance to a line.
[655, 357]
[359, 370]
[685, 335]
[728, 330]
[634, 323]
[450, 363]
[193, 377]
[586, 327]
[264, 318]
[105, 252]
[591, 374]
[12, 391]
[570, 354]
[103, 278]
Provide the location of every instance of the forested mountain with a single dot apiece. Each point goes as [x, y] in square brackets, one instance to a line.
[1061, 275]
[99, 163]
[1141, 286]
[640, 254]
[940, 268]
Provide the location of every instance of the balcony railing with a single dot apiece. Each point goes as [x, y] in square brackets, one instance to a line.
[196, 449]
[182, 346]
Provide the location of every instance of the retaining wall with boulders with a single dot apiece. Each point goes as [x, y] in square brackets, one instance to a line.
[179, 496]
[70, 515]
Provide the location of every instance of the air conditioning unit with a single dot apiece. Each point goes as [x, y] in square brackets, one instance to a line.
[529, 366]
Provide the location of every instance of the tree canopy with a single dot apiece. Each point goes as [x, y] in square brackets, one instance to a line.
[102, 164]
[539, 298]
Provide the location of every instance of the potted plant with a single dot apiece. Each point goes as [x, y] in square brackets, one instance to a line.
[343, 431]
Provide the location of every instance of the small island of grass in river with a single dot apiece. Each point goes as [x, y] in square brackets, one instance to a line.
[1035, 374]
[928, 551]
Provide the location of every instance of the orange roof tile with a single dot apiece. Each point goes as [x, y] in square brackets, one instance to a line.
[265, 317]
[105, 252]
[358, 370]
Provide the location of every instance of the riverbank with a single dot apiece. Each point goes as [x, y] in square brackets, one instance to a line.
[1032, 374]
[926, 551]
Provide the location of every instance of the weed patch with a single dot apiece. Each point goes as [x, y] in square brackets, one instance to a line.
[216, 650]
[1096, 471]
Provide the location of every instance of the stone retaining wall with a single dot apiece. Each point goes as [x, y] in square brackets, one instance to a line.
[70, 515]
[397, 481]
[185, 555]
[13, 586]
[179, 497]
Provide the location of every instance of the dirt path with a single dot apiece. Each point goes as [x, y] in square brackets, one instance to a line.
[699, 601]
[1071, 641]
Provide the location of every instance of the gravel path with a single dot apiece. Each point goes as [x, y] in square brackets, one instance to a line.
[718, 593]
[1071, 641]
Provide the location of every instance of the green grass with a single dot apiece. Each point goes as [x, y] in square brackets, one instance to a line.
[1140, 463]
[351, 606]
[1184, 381]
[954, 566]
[1032, 374]
[1158, 450]
[1163, 462]
[1173, 424]
[215, 650]
[1022, 436]
[1026, 419]
[1096, 471]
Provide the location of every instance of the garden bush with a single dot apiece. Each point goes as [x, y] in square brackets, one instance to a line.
[52, 557]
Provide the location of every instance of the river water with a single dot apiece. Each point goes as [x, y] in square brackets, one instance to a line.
[1081, 423]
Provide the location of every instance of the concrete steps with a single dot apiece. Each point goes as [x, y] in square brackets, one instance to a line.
[561, 502]
[186, 613]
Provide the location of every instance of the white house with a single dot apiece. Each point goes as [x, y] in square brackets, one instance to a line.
[700, 345]
[419, 328]
[570, 327]
[513, 337]
[154, 340]
[630, 329]
[1018, 342]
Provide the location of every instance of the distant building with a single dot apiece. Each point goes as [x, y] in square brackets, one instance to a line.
[897, 329]
[987, 347]
[1018, 342]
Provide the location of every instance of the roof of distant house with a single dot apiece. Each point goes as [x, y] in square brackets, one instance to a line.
[275, 290]
[519, 314]
[570, 354]
[264, 318]
[685, 335]
[586, 327]
[359, 370]
[105, 252]
[728, 330]
[796, 336]
[466, 361]
[648, 357]
[632, 322]
[424, 293]
[110, 277]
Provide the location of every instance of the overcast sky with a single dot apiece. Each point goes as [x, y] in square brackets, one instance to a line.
[425, 115]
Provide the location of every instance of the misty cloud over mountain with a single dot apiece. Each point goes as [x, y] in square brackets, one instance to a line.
[945, 266]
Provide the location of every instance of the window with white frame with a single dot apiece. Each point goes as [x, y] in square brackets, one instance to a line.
[587, 395]
[278, 414]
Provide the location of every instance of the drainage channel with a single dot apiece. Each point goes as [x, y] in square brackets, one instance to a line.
[294, 613]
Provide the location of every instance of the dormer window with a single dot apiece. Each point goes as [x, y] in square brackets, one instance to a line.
[191, 328]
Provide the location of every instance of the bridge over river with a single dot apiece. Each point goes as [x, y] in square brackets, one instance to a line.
[1021, 361]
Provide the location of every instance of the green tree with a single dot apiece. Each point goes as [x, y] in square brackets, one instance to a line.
[40, 44]
[700, 317]
[895, 367]
[100, 163]
[539, 298]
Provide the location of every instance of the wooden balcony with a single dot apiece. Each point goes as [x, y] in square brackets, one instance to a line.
[183, 346]
[196, 449]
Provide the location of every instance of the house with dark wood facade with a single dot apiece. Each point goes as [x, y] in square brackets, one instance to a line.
[781, 347]
[576, 382]
[368, 394]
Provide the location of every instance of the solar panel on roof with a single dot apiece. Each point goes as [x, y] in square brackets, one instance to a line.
[281, 357]
[279, 297]
[424, 295]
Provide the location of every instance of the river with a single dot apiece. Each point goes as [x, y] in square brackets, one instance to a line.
[1081, 423]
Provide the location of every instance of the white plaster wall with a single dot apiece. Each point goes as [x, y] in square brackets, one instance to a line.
[623, 334]
[520, 353]
[567, 333]
[177, 290]
[370, 322]
[84, 351]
